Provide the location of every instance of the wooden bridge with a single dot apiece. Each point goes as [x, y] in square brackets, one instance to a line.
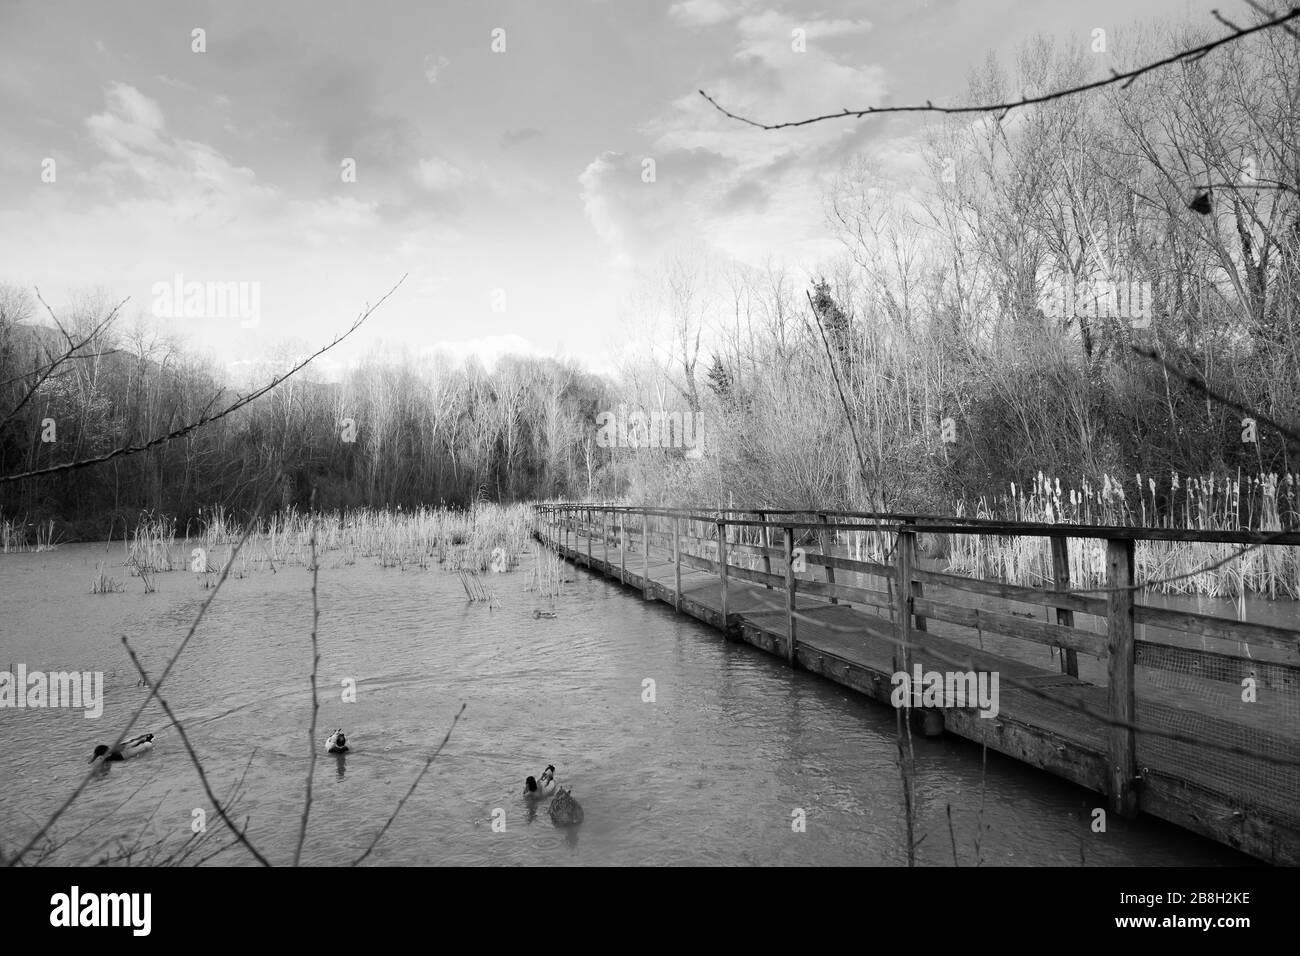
[1189, 717]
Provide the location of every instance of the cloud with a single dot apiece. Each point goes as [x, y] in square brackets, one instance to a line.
[433, 67]
[174, 179]
[747, 196]
[637, 218]
[706, 13]
[439, 176]
[488, 350]
[513, 137]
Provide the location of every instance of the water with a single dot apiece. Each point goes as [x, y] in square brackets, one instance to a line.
[711, 772]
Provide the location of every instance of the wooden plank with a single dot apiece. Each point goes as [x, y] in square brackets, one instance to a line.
[1075, 602]
[848, 564]
[1121, 705]
[1039, 632]
[700, 564]
[767, 545]
[1207, 625]
[846, 592]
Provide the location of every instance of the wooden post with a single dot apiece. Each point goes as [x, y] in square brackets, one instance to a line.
[767, 558]
[722, 572]
[590, 524]
[677, 561]
[622, 547]
[1064, 616]
[645, 555]
[1120, 652]
[789, 595]
[904, 552]
[917, 589]
[823, 540]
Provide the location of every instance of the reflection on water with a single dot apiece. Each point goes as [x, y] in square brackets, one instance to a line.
[710, 772]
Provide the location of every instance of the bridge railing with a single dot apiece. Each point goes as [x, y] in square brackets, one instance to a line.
[791, 552]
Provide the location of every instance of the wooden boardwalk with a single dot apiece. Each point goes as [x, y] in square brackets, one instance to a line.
[1240, 799]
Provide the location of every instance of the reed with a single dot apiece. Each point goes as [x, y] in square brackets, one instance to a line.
[475, 590]
[14, 535]
[103, 584]
[1263, 502]
[149, 548]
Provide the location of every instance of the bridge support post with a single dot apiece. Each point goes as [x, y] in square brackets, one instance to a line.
[1120, 654]
[604, 535]
[789, 595]
[766, 541]
[622, 548]
[823, 541]
[1064, 616]
[645, 555]
[677, 564]
[722, 574]
[904, 558]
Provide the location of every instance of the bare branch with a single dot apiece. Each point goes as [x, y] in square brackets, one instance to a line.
[205, 418]
[73, 347]
[400, 803]
[315, 701]
[194, 758]
[1127, 77]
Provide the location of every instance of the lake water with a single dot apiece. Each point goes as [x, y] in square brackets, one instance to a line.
[710, 772]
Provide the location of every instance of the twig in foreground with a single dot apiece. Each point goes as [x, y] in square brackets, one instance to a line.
[315, 701]
[198, 764]
[400, 803]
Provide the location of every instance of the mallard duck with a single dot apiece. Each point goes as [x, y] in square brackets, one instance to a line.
[565, 810]
[537, 614]
[539, 788]
[337, 742]
[123, 751]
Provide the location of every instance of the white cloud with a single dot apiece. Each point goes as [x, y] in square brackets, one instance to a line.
[433, 67]
[636, 218]
[487, 350]
[437, 175]
[705, 13]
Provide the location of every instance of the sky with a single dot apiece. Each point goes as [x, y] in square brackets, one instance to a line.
[494, 153]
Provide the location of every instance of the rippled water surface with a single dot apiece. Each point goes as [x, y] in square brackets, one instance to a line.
[709, 773]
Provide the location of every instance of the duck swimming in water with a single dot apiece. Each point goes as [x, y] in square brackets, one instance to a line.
[565, 810]
[539, 788]
[123, 751]
[337, 742]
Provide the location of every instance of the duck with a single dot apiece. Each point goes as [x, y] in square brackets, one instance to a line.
[123, 751]
[539, 788]
[538, 614]
[337, 742]
[565, 809]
